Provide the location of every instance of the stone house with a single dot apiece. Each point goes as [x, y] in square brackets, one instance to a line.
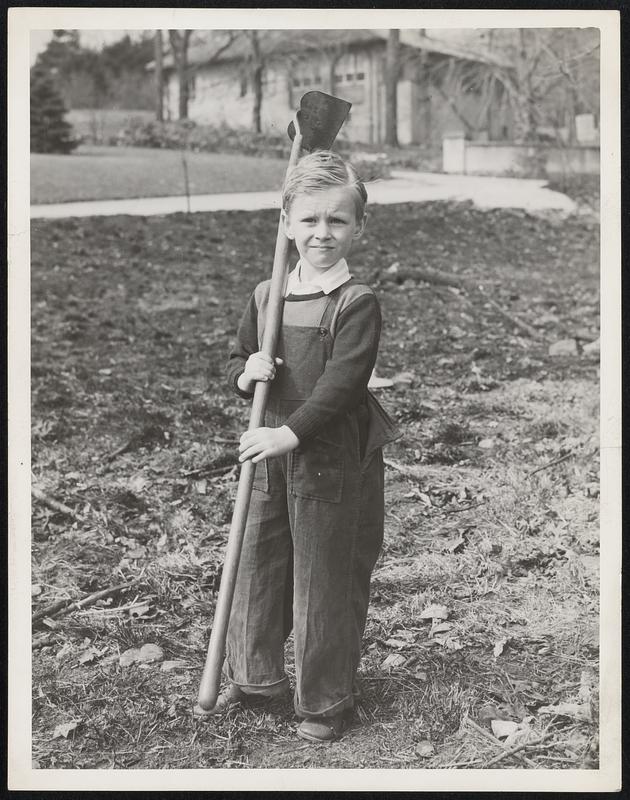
[441, 86]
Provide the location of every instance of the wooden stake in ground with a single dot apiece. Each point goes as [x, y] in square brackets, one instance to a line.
[314, 127]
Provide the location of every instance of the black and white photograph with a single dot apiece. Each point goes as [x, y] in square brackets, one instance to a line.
[314, 407]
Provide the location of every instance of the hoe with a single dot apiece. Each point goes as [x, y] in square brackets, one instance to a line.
[314, 127]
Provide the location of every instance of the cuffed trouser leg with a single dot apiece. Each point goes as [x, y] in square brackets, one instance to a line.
[325, 528]
[336, 546]
[258, 620]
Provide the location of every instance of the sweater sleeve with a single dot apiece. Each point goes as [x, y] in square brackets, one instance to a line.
[343, 383]
[246, 344]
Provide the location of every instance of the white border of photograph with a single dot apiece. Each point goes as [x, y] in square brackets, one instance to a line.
[21, 776]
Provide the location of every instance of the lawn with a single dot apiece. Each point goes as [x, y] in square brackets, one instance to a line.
[492, 493]
[111, 173]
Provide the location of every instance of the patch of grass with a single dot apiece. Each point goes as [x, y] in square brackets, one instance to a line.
[136, 432]
[110, 173]
[584, 189]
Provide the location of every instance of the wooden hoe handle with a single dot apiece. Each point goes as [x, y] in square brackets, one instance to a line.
[211, 677]
[314, 126]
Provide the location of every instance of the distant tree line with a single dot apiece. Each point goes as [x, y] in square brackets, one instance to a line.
[68, 75]
[112, 77]
[544, 76]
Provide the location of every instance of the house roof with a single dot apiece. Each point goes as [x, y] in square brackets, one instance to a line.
[459, 49]
[205, 45]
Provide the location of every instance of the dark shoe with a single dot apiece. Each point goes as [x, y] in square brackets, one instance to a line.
[322, 729]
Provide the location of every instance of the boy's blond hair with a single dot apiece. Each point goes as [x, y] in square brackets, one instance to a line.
[322, 170]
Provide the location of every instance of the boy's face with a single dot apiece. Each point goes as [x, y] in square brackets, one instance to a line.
[324, 225]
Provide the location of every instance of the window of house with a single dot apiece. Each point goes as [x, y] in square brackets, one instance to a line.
[351, 73]
[351, 77]
[306, 78]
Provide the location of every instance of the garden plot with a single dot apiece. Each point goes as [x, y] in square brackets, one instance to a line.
[481, 643]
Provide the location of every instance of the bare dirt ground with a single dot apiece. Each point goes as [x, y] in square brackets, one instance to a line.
[483, 631]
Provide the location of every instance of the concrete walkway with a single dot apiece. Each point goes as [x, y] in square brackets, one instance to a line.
[403, 187]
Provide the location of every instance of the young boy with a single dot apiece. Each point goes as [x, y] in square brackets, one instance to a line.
[315, 523]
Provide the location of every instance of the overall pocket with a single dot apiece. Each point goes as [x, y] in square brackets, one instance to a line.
[316, 470]
[261, 476]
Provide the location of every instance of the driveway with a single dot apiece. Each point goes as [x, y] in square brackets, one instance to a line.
[402, 187]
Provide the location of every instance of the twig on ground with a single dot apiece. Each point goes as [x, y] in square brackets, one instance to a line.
[518, 323]
[559, 759]
[491, 738]
[66, 606]
[51, 610]
[112, 612]
[552, 463]
[109, 457]
[53, 504]
[208, 470]
[523, 326]
[517, 748]
[464, 508]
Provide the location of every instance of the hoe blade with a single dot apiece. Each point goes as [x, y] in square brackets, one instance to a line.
[320, 116]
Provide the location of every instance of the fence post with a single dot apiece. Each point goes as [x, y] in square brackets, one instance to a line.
[454, 152]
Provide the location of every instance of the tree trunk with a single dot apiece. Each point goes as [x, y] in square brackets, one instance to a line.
[392, 68]
[179, 45]
[182, 80]
[159, 78]
[257, 67]
[257, 81]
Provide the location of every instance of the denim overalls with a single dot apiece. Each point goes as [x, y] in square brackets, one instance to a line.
[314, 531]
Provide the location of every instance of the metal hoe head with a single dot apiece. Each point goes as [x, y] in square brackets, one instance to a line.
[320, 117]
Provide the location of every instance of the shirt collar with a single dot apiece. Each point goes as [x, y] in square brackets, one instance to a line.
[326, 282]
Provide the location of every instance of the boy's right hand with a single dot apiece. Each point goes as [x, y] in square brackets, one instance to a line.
[258, 367]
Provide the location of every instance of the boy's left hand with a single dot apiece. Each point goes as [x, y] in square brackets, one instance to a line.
[266, 443]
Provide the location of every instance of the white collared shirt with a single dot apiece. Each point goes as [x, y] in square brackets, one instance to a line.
[326, 282]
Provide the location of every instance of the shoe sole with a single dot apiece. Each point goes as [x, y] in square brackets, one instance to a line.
[307, 737]
[335, 734]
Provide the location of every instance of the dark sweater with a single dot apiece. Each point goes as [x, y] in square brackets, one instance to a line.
[343, 383]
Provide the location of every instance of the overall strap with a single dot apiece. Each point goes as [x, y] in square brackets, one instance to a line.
[339, 299]
[329, 309]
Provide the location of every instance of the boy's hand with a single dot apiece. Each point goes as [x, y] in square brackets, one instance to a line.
[258, 367]
[267, 443]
